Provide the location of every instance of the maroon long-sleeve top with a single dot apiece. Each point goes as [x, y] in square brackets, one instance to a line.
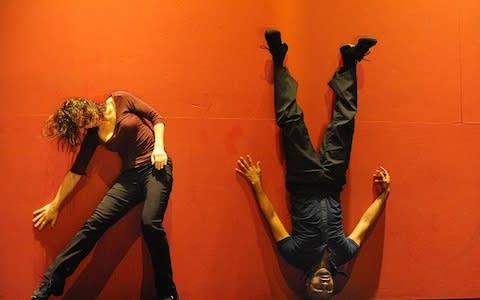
[133, 137]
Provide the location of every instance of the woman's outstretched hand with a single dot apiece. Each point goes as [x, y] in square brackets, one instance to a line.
[249, 170]
[45, 215]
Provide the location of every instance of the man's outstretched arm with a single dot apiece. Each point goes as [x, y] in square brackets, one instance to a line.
[252, 173]
[382, 179]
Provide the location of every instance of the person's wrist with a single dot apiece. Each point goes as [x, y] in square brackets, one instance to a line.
[256, 183]
[54, 205]
[386, 191]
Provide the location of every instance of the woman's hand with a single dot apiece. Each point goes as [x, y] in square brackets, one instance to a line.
[45, 215]
[381, 179]
[159, 158]
[249, 170]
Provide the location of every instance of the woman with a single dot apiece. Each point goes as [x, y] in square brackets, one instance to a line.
[126, 125]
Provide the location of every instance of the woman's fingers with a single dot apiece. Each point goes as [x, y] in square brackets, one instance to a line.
[240, 171]
[242, 163]
[37, 217]
[39, 223]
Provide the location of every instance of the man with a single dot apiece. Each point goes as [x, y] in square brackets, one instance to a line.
[317, 244]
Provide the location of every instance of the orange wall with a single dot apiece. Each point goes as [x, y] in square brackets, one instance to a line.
[200, 63]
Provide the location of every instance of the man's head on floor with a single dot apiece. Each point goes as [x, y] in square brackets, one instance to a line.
[319, 285]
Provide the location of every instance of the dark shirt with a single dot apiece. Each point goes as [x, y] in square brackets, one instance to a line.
[310, 236]
[133, 137]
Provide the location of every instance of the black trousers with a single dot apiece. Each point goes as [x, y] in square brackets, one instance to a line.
[131, 187]
[307, 169]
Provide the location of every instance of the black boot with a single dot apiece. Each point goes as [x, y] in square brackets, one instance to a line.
[48, 287]
[363, 47]
[275, 46]
[352, 54]
[173, 297]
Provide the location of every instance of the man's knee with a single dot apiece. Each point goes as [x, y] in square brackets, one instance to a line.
[289, 115]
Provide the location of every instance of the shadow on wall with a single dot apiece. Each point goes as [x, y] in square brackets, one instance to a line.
[112, 247]
[106, 256]
[364, 279]
[277, 271]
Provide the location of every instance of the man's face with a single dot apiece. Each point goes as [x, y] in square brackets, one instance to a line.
[321, 284]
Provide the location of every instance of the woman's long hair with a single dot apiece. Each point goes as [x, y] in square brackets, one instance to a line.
[74, 114]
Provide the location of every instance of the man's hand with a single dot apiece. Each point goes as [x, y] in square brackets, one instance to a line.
[159, 158]
[249, 170]
[252, 173]
[381, 179]
[45, 215]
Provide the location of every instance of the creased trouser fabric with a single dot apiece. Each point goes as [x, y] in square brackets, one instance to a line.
[131, 187]
[307, 169]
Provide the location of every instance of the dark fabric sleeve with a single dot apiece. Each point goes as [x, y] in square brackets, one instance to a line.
[89, 144]
[140, 108]
[352, 248]
[344, 252]
[288, 248]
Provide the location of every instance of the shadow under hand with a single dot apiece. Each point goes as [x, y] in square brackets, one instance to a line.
[277, 271]
[366, 266]
[365, 277]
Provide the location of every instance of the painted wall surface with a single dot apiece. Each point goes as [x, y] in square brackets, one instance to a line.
[201, 64]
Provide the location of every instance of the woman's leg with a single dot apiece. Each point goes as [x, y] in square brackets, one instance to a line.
[114, 205]
[157, 192]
